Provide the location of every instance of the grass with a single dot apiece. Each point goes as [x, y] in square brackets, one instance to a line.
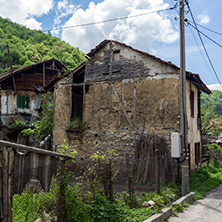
[205, 179]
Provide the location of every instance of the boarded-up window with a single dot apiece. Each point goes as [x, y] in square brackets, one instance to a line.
[116, 55]
[23, 101]
[192, 103]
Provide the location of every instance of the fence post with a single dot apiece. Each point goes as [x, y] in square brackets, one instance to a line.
[11, 164]
[157, 157]
[5, 184]
[61, 191]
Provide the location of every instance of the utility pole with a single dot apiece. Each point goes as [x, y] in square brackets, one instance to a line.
[183, 111]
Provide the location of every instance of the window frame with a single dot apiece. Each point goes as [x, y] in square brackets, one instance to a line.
[23, 101]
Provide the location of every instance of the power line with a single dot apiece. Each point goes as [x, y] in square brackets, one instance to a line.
[215, 32]
[201, 53]
[207, 36]
[109, 20]
[207, 54]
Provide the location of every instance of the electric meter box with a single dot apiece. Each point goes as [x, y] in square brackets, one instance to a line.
[175, 145]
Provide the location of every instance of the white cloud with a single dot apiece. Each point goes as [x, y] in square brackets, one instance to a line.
[32, 24]
[22, 11]
[215, 87]
[140, 32]
[204, 19]
[63, 9]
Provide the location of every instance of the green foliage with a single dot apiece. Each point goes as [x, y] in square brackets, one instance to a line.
[211, 110]
[76, 124]
[31, 46]
[215, 153]
[30, 206]
[43, 126]
[66, 149]
[18, 123]
[205, 179]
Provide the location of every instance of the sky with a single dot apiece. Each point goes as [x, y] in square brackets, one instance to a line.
[155, 32]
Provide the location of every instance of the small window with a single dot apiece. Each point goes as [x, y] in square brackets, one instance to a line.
[116, 55]
[23, 101]
[192, 103]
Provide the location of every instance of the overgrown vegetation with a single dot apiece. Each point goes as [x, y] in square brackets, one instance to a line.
[211, 108]
[91, 199]
[42, 127]
[32, 46]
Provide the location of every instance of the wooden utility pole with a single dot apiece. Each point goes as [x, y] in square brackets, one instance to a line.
[183, 111]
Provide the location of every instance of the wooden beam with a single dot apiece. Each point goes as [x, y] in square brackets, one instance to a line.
[7, 144]
[121, 105]
[110, 101]
[98, 106]
[101, 94]
[43, 74]
[122, 92]
[5, 183]
[11, 161]
[83, 105]
[14, 85]
[93, 97]
[134, 103]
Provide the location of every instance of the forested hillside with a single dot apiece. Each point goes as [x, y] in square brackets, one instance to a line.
[31, 46]
[211, 109]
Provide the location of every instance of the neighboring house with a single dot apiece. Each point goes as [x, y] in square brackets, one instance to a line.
[120, 93]
[20, 93]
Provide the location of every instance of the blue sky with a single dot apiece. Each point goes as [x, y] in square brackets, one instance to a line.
[156, 33]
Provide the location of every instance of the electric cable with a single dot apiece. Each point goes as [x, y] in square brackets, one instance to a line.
[215, 32]
[206, 36]
[108, 20]
[204, 47]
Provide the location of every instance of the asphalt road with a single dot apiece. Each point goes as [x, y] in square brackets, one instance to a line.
[208, 209]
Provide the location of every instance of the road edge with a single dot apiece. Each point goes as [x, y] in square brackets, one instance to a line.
[167, 212]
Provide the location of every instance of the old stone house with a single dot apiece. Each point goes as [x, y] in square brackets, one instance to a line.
[119, 93]
[20, 93]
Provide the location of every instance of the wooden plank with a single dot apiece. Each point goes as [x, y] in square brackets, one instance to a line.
[31, 149]
[93, 96]
[5, 184]
[101, 94]
[122, 92]
[134, 103]
[43, 72]
[83, 102]
[98, 106]
[14, 85]
[121, 105]
[110, 101]
[11, 161]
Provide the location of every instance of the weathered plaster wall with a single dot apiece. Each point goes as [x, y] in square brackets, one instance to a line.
[109, 128]
[194, 134]
[9, 109]
[62, 107]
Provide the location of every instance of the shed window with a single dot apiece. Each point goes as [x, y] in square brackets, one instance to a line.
[192, 103]
[23, 101]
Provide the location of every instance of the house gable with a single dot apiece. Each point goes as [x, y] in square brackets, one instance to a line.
[115, 61]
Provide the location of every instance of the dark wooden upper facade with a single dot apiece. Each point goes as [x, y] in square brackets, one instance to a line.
[33, 76]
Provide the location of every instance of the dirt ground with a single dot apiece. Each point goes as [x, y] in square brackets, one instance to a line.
[208, 209]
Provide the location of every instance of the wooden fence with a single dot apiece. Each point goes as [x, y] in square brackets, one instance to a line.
[18, 164]
[154, 163]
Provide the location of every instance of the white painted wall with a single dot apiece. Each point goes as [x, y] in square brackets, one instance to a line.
[194, 134]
